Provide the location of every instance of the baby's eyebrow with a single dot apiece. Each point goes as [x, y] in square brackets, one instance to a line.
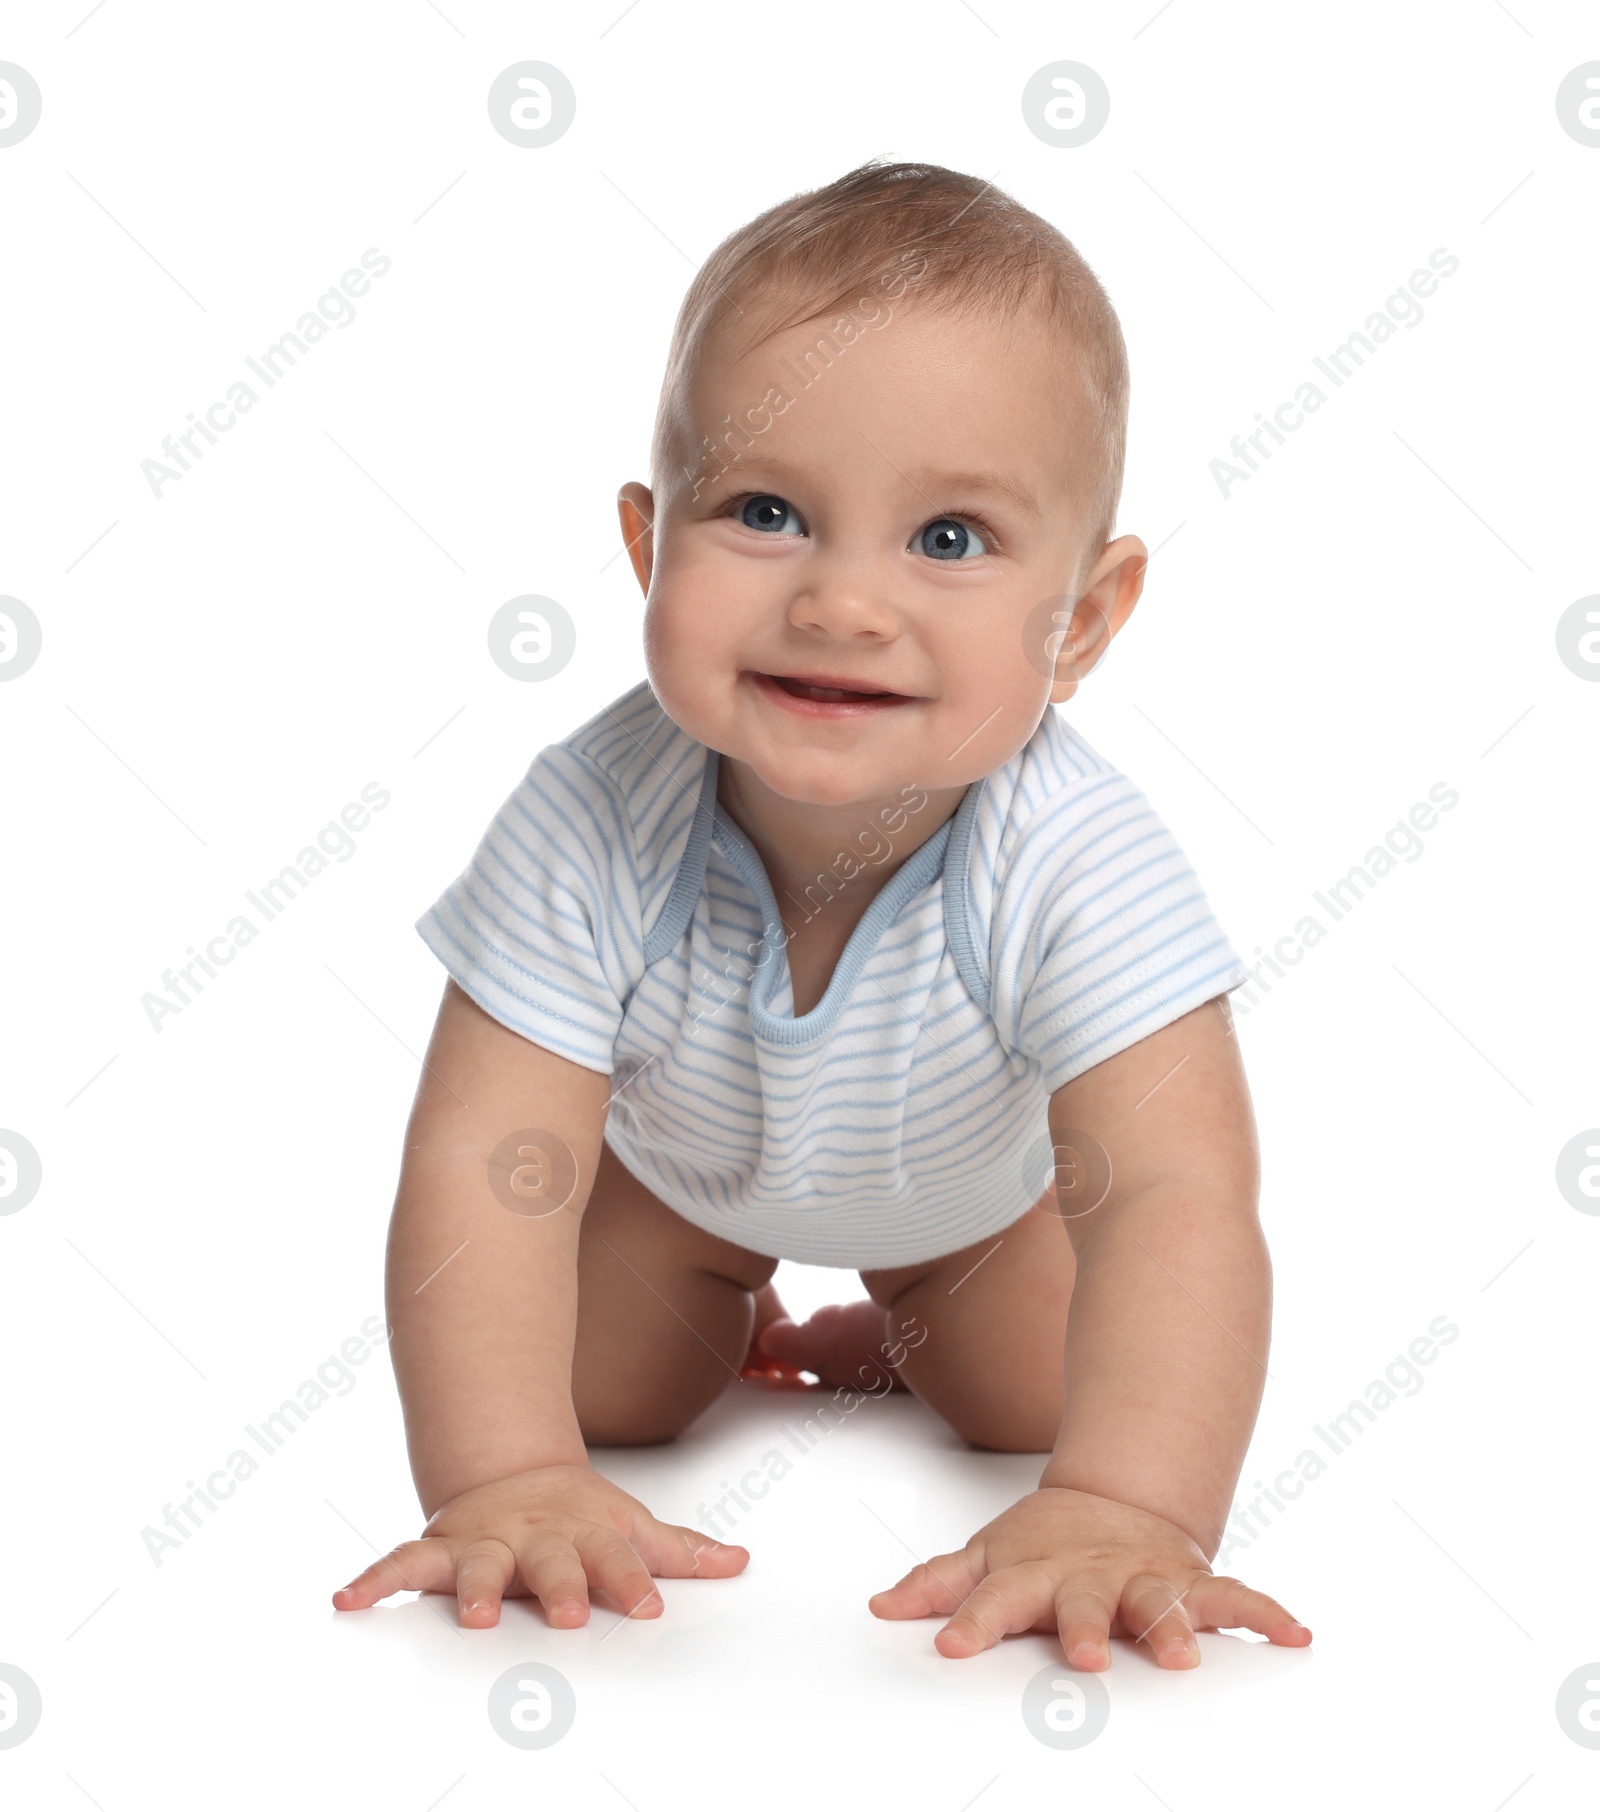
[924, 479]
[994, 484]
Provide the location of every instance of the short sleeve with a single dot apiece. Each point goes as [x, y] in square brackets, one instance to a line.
[542, 926]
[1102, 933]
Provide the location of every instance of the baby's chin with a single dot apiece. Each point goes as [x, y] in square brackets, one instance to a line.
[828, 784]
[821, 765]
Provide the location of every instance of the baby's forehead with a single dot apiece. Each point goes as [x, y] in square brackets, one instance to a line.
[975, 389]
[762, 321]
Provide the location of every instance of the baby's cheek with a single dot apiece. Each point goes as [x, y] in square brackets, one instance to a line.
[706, 615]
[988, 708]
[691, 657]
[984, 668]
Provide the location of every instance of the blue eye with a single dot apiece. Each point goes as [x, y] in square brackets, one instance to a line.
[766, 513]
[947, 539]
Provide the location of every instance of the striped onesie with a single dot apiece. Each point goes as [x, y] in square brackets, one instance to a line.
[615, 914]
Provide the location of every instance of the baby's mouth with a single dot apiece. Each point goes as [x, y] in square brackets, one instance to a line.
[823, 691]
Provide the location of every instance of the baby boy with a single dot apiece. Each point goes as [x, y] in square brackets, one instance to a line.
[834, 941]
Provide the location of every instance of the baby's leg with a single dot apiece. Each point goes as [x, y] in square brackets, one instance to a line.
[995, 1315]
[664, 1313]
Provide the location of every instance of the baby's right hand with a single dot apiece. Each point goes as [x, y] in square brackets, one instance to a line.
[551, 1533]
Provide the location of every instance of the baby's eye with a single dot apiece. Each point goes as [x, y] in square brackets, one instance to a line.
[946, 539]
[768, 514]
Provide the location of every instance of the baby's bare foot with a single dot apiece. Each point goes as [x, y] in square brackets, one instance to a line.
[843, 1343]
[762, 1367]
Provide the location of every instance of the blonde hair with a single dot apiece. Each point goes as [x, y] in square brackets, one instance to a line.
[980, 251]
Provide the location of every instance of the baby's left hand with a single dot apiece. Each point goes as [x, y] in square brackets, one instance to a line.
[1090, 1568]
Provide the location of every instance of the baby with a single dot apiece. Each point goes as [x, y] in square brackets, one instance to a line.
[830, 942]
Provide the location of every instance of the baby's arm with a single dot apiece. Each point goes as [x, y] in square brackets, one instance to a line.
[1172, 1309]
[1165, 1359]
[483, 1305]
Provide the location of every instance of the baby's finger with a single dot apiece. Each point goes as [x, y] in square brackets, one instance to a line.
[423, 1565]
[1084, 1608]
[1012, 1599]
[483, 1572]
[1152, 1611]
[553, 1573]
[1227, 1604]
[933, 1588]
[617, 1570]
[671, 1551]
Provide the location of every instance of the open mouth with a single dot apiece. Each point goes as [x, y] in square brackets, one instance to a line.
[820, 690]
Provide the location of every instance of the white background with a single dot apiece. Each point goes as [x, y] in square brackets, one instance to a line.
[304, 612]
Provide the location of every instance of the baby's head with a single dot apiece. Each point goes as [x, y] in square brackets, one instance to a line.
[888, 455]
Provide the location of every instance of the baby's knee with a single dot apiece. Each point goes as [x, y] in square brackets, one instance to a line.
[641, 1397]
[631, 1418]
[1007, 1424]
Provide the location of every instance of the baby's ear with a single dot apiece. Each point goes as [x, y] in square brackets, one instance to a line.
[1115, 586]
[636, 512]
[1100, 611]
[1117, 581]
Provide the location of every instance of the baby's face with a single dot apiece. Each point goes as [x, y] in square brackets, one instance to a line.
[891, 530]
